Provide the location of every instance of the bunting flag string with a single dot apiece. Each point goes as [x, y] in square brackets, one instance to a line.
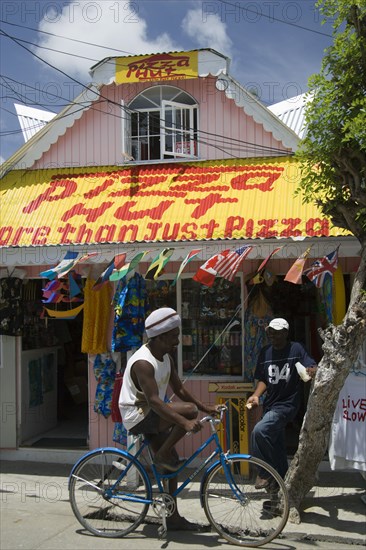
[158, 264]
[225, 264]
[67, 264]
[190, 256]
[320, 268]
[266, 260]
[206, 273]
[116, 264]
[294, 274]
[63, 267]
[228, 265]
[128, 267]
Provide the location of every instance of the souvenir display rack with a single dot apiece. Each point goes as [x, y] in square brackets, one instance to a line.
[211, 328]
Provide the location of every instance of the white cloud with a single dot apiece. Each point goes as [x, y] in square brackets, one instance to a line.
[114, 24]
[208, 32]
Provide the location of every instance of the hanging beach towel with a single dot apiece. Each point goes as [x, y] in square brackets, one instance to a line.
[116, 415]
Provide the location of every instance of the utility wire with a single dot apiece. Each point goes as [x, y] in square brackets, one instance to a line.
[220, 139]
[73, 54]
[63, 72]
[66, 37]
[272, 18]
[121, 106]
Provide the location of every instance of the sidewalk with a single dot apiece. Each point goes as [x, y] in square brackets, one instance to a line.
[36, 514]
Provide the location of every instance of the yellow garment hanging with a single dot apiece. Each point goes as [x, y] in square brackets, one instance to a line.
[339, 296]
[97, 312]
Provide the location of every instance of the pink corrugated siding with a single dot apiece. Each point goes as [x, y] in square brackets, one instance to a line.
[96, 138]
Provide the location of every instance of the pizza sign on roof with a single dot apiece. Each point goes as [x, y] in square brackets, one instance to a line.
[157, 67]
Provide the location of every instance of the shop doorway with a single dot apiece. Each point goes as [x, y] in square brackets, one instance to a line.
[53, 378]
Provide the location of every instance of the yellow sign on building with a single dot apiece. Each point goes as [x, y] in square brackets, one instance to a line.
[157, 67]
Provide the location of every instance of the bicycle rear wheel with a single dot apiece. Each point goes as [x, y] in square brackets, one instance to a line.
[242, 514]
[101, 487]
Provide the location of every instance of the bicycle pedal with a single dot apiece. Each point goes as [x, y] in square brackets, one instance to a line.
[162, 531]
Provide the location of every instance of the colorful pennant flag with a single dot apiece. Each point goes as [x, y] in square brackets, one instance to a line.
[206, 274]
[294, 274]
[158, 264]
[190, 256]
[127, 268]
[67, 264]
[117, 262]
[63, 267]
[229, 263]
[266, 260]
[317, 271]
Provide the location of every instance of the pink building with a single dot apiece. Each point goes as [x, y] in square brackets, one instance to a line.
[162, 152]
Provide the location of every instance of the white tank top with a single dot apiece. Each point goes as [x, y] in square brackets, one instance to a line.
[132, 402]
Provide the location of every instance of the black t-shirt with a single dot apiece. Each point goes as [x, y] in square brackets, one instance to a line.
[276, 368]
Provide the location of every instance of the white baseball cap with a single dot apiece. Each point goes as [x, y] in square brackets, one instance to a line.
[279, 324]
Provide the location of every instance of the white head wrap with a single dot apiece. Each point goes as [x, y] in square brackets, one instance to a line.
[160, 321]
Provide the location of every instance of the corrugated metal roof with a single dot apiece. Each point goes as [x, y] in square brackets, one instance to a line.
[292, 112]
[31, 120]
[233, 199]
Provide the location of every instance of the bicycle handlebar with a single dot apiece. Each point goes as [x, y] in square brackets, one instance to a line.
[210, 418]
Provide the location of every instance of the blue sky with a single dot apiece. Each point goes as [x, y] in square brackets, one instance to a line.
[274, 45]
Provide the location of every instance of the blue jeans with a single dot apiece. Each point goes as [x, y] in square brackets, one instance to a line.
[268, 441]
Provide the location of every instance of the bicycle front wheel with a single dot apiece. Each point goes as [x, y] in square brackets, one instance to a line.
[108, 493]
[239, 512]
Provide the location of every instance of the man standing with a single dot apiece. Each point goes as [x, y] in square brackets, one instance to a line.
[142, 403]
[277, 376]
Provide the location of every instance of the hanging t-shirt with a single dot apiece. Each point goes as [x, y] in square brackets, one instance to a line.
[97, 313]
[347, 446]
[131, 308]
[105, 372]
[276, 368]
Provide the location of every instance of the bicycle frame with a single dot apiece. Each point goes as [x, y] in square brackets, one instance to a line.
[159, 477]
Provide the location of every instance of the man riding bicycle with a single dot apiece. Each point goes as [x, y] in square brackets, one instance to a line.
[144, 410]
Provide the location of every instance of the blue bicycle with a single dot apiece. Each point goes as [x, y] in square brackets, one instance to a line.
[111, 491]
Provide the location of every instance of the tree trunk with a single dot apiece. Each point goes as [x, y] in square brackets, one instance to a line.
[341, 347]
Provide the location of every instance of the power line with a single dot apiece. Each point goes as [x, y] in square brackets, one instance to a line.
[52, 49]
[63, 72]
[272, 18]
[221, 139]
[120, 106]
[65, 37]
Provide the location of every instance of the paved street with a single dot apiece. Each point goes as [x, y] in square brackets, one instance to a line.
[36, 515]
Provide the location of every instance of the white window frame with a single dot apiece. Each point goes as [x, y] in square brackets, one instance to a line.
[184, 141]
[173, 106]
[126, 133]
